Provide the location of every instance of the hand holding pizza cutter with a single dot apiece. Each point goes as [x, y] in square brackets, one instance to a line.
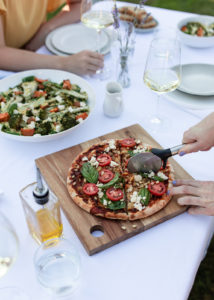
[151, 161]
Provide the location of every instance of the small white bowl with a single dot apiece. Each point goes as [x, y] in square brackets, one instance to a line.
[196, 41]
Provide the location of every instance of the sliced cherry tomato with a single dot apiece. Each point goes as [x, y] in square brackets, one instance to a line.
[128, 142]
[2, 99]
[55, 109]
[18, 92]
[27, 131]
[200, 31]
[4, 117]
[82, 116]
[39, 80]
[67, 84]
[157, 189]
[114, 194]
[184, 28]
[38, 94]
[90, 189]
[41, 86]
[105, 175]
[104, 159]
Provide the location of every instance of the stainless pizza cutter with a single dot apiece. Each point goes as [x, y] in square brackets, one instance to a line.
[151, 161]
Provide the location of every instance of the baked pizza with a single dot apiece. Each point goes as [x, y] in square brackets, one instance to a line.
[100, 183]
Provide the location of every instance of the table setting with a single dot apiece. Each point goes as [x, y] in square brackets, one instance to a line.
[90, 256]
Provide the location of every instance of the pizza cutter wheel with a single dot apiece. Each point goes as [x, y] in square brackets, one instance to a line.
[151, 161]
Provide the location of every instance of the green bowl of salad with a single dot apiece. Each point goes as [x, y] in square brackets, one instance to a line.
[41, 105]
[197, 31]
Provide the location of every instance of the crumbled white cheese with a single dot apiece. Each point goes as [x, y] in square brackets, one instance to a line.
[31, 125]
[61, 107]
[138, 141]
[85, 158]
[82, 104]
[138, 206]
[112, 144]
[135, 198]
[105, 202]
[49, 119]
[130, 189]
[31, 106]
[15, 89]
[20, 104]
[37, 118]
[94, 162]
[107, 149]
[162, 175]
[18, 98]
[25, 118]
[138, 178]
[113, 164]
[80, 120]
[100, 193]
[59, 98]
[58, 127]
[70, 109]
[151, 174]
[15, 111]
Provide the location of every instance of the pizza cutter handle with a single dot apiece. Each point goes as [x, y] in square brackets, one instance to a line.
[164, 154]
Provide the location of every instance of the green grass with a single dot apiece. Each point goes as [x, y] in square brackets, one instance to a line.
[205, 7]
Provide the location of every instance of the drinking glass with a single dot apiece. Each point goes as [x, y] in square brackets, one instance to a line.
[98, 18]
[162, 72]
[57, 265]
[8, 245]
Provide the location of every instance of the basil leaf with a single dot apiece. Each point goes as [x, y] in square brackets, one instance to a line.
[155, 177]
[113, 205]
[144, 193]
[89, 173]
[112, 182]
[131, 153]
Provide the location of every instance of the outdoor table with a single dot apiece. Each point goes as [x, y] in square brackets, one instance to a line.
[160, 263]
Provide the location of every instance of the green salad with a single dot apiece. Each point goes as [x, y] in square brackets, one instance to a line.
[198, 29]
[42, 107]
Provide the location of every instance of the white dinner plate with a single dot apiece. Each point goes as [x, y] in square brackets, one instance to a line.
[190, 101]
[197, 79]
[104, 50]
[147, 30]
[56, 76]
[74, 38]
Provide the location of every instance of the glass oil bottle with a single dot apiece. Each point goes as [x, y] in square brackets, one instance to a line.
[42, 211]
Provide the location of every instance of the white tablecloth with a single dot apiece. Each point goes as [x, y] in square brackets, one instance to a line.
[160, 263]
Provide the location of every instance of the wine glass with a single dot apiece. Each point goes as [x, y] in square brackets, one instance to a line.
[8, 245]
[98, 18]
[162, 72]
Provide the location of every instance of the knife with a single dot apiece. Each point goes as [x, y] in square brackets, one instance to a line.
[151, 161]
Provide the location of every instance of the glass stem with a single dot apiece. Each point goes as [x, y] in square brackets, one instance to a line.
[98, 40]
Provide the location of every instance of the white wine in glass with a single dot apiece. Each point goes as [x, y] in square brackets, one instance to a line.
[97, 19]
[163, 71]
[8, 245]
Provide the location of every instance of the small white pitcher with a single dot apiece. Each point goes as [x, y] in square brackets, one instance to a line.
[113, 103]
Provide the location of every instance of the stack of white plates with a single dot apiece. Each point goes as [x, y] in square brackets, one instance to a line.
[71, 39]
[196, 90]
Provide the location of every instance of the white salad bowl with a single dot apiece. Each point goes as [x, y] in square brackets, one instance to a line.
[55, 76]
[196, 41]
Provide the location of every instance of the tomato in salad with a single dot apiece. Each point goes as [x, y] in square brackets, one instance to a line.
[129, 142]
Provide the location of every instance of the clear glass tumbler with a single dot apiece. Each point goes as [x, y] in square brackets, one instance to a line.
[57, 265]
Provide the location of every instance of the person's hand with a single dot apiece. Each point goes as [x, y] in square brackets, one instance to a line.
[82, 63]
[198, 194]
[199, 137]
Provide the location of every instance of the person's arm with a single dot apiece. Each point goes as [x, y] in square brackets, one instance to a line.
[199, 137]
[63, 18]
[198, 194]
[85, 62]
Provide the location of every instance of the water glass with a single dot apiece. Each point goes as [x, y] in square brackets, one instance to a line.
[57, 265]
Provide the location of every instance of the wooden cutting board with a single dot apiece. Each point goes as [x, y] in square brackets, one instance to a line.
[54, 168]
